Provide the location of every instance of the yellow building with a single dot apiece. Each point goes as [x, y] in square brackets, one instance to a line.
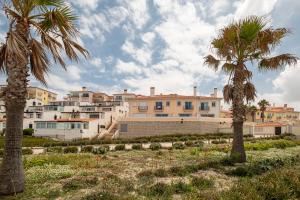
[42, 95]
[277, 114]
[174, 105]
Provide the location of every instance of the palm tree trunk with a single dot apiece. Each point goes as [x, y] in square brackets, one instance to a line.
[238, 150]
[11, 171]
[263, 116]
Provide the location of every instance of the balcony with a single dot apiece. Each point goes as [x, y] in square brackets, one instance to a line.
[188, 108]
[158, 108]
[143, 108]
[204, 108]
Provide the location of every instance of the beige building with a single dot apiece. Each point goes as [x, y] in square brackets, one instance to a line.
[174, 105]
[277, 114]
[41, 95]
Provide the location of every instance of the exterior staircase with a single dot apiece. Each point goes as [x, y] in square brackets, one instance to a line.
[110, 132]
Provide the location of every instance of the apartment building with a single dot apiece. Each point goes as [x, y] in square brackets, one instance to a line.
[174, 105]
[40, 96]
[276, 114]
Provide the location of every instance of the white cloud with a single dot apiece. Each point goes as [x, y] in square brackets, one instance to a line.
[286, 88]
[127, 68]
[97, 62]
[73, 72]
[253, 7]
[86, 5]
[141, 55]
[148, 38]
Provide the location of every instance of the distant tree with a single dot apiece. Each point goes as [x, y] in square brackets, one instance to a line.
[37, 29]
[252, 111]
[245, 41]
[263, 104]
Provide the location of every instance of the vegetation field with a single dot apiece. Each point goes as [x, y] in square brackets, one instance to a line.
[179, 173]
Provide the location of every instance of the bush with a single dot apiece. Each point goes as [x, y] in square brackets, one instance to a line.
[241, 171]
[178, 145]
[100, 150]
[160, 189]
[201, 183]
[87, 149]
[160, 173]
[55, 149]
[189, 143]
[28, 132]
[155, 146]
[27, 151]
[120, 147]
[178, 171]
[71, 149]
[180, 187]
[137, 146]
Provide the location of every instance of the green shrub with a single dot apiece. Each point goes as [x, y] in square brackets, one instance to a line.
[27, 151]
[155, 146]
[178, 145]
[54, 149]
[160, 189]
[28, 132]
[180, 187]
[87, 149]
[201, 183]
[100, 150]
[71, 149]
[282, 144]
[160, 173]
[137, 146]
[189, 143]
[178, 171]
[120, 147]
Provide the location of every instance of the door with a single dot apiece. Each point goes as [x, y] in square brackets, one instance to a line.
[277, 130]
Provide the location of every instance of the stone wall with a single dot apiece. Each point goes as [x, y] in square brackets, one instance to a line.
[129, 129]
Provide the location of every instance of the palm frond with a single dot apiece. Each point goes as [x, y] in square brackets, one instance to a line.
[212, 62]
[228, 93]
[39, 62]
[277, 62]
[249, 91]
[250, 27]
[16, 46]
[228, 67]
[2, 58]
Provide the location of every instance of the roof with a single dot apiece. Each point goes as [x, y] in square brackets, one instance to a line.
[69, 120]
[270, 124]
[173, 96]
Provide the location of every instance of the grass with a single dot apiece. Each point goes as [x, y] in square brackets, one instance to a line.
[187, 173]
[29, 141]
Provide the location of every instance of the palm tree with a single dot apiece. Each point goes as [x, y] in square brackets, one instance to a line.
[252, 111]
[37, 29]
[263, 107]
[246, 41]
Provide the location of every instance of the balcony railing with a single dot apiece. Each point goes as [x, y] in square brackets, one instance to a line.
[188, 108]
[142, 108]
[158, 108]
[204, 109]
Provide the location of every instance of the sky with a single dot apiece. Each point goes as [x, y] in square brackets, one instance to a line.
[136, 44]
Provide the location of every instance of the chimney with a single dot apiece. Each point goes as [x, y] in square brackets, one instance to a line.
[215, 92]
[285, 106]
[152, 91]
[125, 91]
[83, 88]
[195, 91]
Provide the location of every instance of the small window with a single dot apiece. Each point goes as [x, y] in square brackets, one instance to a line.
[124, 128]
[213, 104]
[178, 103]
[39, 115]
[86, 125]
[168, 103]
[161, 115]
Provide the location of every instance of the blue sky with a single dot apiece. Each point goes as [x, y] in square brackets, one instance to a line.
[136, 44]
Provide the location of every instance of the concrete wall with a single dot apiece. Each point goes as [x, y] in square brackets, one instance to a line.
[153, 128]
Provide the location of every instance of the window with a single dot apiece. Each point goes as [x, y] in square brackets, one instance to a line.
[72, 126]
[85, 95]
[213, 104]
[161, 115]
[39, 115]
[41, 125]
[118, 98]
[158, 105]
[178, 103]
[94, 116]
[185, 115]
[207, 115]
[31, 115]
[51, 125]
[168, 103]
[204, 106]
[188, 105]
[86, 125]
[124, 128]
